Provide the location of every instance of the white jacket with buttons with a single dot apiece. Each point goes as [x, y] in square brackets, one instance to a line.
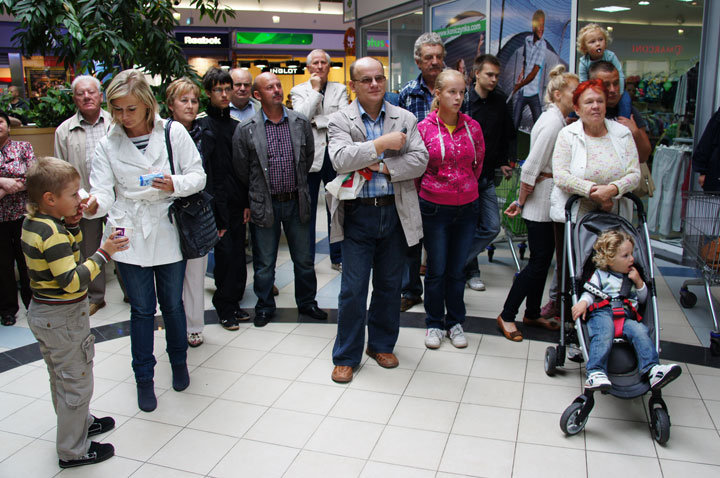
[115, 182]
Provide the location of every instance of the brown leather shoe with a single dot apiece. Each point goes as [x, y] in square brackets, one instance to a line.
[515, 336]
[342, 374]
[543, 323]
[275, 290]
[384, 360]
[407, 302]
[95, 307]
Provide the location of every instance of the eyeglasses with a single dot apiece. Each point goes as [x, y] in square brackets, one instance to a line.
[367, 80]
[227, 90]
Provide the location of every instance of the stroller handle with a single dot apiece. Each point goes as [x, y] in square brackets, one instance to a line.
[630, 196]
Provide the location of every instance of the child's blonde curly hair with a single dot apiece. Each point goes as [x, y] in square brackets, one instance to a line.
[607, 245]
[584, 31]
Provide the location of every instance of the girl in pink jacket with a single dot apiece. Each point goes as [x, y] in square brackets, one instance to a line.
[449, 206]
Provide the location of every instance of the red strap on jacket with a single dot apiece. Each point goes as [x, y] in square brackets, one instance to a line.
[618, 314]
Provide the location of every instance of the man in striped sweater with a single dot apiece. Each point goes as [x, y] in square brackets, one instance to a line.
[58, 313]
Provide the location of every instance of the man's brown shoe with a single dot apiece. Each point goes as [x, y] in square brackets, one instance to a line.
[384, 360]
[342, 374]
[275, 290]
[408, 302]
[95, 307]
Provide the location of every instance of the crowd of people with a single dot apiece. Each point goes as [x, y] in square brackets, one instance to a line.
[402, 173]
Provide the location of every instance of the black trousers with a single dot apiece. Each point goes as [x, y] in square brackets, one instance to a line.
[10, 256]
[530, 283]
[230, 268]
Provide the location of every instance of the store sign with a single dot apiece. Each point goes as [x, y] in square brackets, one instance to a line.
[454, 30]
[658, 49]
[203, 40]
[270, 38]
[288, 70]
[377, 43]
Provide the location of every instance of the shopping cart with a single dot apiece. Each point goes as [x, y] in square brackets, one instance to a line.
[514, 228]
[701, 250]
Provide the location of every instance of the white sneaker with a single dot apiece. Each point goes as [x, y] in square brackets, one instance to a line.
[660, 375]
[433, 337]
[598, 381]
[475, 283]
[457, 336]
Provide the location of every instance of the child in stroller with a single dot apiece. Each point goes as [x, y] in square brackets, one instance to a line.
[610, 300]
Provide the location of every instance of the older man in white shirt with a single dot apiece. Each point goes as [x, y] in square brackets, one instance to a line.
[317, 98]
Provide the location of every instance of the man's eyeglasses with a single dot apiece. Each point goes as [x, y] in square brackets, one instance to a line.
[227, 90]
[367, 80]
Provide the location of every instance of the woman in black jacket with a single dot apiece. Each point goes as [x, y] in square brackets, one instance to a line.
[706, 158]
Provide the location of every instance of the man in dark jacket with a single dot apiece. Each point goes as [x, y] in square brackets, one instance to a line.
[230, 196]
[272, 155]
[706, 158]
[488, 106]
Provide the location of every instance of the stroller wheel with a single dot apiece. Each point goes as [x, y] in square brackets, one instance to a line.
[570, 422]
[687, 298]
[550, 361]
[660, 425]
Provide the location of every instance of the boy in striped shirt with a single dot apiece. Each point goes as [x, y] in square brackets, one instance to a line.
[59, 311]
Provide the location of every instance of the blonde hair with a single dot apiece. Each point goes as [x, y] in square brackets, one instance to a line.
[180, 87]
[47, 174]
[133, 82]
[440, 84]
[587, 29]
[559, 80]
[607, 245]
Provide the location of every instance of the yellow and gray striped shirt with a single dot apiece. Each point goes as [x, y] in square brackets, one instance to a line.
[52, 253]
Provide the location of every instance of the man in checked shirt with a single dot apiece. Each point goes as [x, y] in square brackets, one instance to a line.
[272, 153]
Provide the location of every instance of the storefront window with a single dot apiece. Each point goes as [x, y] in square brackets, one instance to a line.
[404, 31]
[658, 45]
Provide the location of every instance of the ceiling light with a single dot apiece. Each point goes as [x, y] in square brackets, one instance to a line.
[261, 64]
[177, 16]
[245, 65]
[275, 19]
[336, 65]
[611, 9]
[610, 29]
[680, 31]
[644, 3]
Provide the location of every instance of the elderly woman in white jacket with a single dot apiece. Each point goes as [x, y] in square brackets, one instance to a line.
[594, 158]
[152, 267]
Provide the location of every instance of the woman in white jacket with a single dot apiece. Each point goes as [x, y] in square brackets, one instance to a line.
[152, 267]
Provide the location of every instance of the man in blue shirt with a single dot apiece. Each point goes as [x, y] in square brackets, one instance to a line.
[528, 85]
[242, 104]
[416, 97]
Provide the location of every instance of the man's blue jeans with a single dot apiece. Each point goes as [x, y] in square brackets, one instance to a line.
[141, 284]
[265, 241]
[448, 233]
[488, 225]
[374, 239]
[325, 175]
[601, 329]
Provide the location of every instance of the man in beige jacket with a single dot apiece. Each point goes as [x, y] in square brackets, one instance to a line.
[75, 141]
[373, 135]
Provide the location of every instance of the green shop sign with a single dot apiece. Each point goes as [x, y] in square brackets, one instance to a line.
[464, 29]
[267, 38]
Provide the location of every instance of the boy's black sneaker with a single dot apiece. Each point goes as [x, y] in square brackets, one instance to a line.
[97, 453]
[229, 323]
[100, 425]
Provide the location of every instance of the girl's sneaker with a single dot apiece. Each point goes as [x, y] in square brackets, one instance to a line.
[457, 336]
[598, 382]
[433, 338]
[195, 339]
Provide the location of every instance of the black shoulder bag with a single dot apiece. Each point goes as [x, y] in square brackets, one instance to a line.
[193, 216]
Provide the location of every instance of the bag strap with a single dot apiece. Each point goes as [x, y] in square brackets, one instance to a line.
[168, 145]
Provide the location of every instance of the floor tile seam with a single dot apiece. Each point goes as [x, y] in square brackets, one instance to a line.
[714, 465]
[24, 395]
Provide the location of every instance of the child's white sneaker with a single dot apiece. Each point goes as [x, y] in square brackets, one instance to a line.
[433, 337]
[660, 375]
[457, 336]
[598, 381]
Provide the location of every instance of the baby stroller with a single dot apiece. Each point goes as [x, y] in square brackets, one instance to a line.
[623, 372]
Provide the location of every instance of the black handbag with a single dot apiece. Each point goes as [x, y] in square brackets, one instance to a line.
[193, 216]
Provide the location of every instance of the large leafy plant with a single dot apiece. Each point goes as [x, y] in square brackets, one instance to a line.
[53, 108]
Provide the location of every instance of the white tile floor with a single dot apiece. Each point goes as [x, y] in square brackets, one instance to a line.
[261, 404]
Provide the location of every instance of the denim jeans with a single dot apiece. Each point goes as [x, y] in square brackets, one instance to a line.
[141, 284]
[412, 286]
[325, 175]
[535, 108]
[265, 241]
[488, 225]
[448, 233]
[374, 239]
[601, 330]
[530, 282]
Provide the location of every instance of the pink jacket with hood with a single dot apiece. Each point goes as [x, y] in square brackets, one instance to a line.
[456, 160]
